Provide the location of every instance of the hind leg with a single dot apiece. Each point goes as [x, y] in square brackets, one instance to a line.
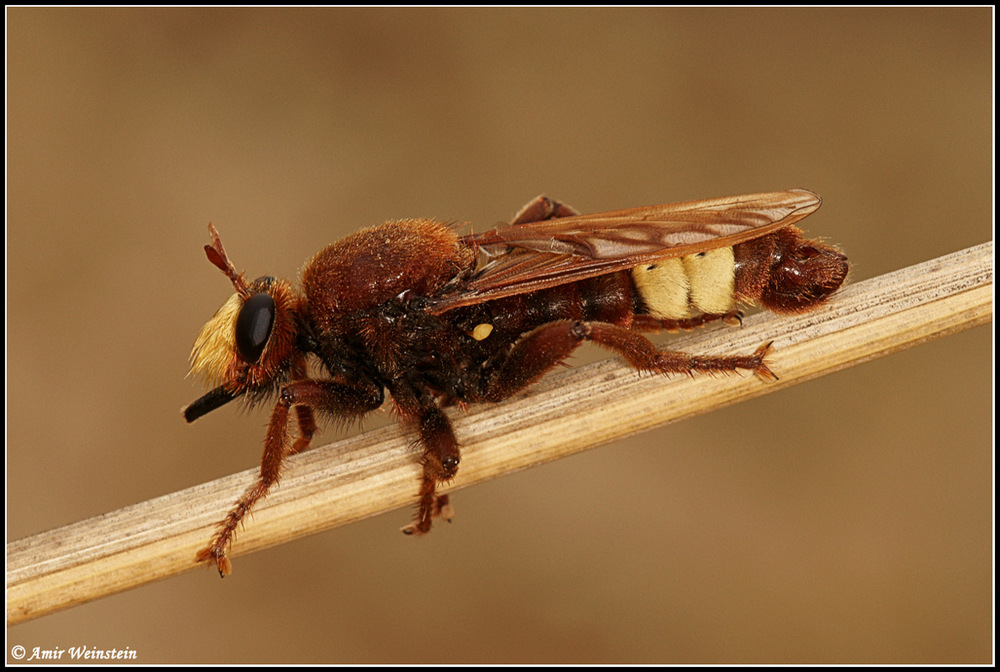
[540, 350]
[641, 353]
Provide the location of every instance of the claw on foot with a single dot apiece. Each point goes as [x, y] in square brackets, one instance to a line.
[212, 555]
[761, 369]
[422, 525]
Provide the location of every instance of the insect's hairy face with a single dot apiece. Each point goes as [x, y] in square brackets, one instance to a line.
[246, 348]
[805, 273]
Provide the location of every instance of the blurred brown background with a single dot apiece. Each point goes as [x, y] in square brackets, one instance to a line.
[845, 520]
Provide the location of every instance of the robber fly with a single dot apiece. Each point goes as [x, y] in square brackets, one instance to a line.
[436, 319]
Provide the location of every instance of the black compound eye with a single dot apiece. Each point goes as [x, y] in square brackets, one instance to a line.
[253, 326]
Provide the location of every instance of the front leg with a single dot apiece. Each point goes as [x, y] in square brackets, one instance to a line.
[337, 398]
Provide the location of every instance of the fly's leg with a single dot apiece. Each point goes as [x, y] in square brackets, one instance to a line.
[441, 454]
[307, 428]
[541, 209]
[643, 322]
[543, 348]
[305, 395]
[642, 354]
[440, 464]
[531, 356]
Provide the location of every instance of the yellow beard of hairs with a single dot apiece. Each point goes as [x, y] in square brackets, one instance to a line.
[674, 289]
[215, 346]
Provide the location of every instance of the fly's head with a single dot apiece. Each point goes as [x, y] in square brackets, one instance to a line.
[249, 346]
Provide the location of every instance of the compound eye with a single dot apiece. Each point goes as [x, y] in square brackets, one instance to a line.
[253, 326]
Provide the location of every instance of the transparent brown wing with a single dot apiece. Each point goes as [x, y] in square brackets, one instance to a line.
[537, 255]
